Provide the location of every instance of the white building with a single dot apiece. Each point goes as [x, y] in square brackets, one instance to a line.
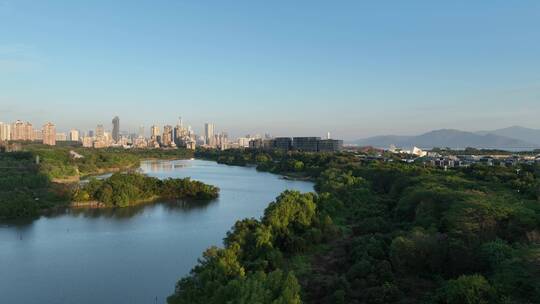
[74, 135]
[419, 152]
[61, 137]
[243, 142]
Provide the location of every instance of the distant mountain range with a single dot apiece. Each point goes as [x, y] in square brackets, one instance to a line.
[512, 138]
[517, 132]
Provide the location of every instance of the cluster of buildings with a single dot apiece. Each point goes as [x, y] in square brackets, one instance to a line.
[25, 131]
[169, 136]
[503, 160]
[304, 144]
[453, 160]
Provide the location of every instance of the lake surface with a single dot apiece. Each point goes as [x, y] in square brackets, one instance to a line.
[129, 255]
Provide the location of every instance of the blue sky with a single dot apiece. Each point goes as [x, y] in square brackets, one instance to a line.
[354, 68]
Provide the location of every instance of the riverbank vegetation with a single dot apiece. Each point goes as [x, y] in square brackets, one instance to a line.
[126, 189]
[42, 177]
[378, 233]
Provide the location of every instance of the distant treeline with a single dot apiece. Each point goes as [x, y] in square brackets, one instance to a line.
[57, 162]
[125, 189]
[378, 233]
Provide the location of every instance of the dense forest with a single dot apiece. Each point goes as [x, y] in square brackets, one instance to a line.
[24, 189]
[125, 189]
[42, 177]
[378, 233]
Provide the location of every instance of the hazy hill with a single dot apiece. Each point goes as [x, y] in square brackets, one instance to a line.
[517, 132]
[448, 138]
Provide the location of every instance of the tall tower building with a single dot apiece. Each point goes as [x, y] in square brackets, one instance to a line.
[209, 134]
[100, 133]
[116, 129]
[167, 138]
[141, 131]
[49, 134]
[154, 132]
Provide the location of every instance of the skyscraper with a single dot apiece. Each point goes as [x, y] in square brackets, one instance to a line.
[167, 138]
[116, 129]
[154, 132]
[99, 131]
[141, 131]
[49, 134]
[209, 134]
[5, 132]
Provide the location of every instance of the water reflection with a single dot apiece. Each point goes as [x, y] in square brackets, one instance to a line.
[184, 206]
[161, 165]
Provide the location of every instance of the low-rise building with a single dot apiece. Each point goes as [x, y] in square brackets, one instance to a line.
[283, 143]
[256, 143]
[329, 145]
[306, 144]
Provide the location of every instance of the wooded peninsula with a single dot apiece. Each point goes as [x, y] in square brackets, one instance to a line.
[378, 232]
[41, 178]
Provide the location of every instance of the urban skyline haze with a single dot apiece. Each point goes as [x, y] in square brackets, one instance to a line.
[355, 69]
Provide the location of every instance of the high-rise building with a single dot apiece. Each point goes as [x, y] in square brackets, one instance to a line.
[167, 138]
[49, 134]
[154, 132]
[116, 129]
[74, 135]
[91, 133]
[5, 132]
[100, 132]
[141, 131]
[209, 134]
[22, 131]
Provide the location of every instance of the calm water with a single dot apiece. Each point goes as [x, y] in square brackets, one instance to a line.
[130, 255]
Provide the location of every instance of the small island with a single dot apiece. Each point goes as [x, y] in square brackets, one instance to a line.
[128, 189]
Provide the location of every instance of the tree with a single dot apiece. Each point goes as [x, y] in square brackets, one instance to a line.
[467, 289]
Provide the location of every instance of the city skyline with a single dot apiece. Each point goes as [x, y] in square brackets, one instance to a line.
[394, 68]
[146, 130]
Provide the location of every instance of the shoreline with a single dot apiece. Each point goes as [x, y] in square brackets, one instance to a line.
[100, 205]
